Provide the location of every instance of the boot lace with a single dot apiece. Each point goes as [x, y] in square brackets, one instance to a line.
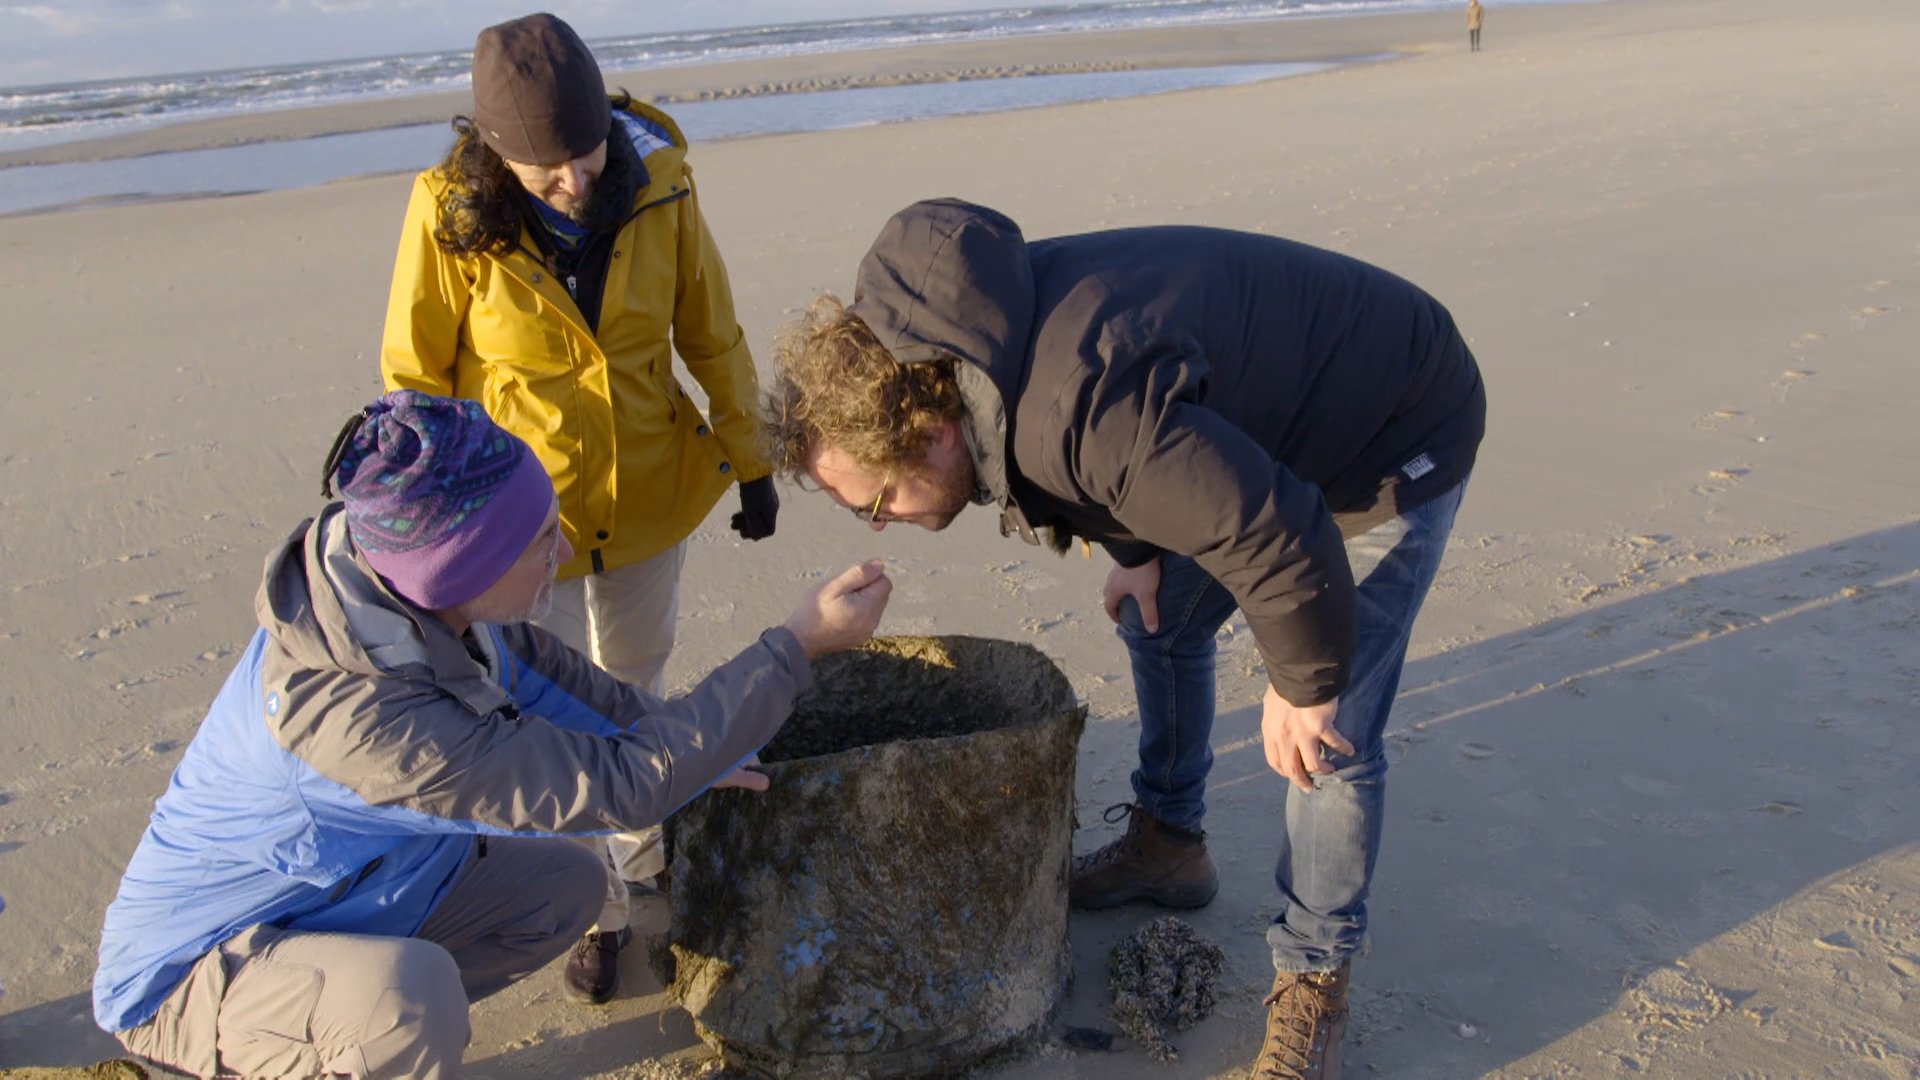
[1121, 846]
[1296, 1028]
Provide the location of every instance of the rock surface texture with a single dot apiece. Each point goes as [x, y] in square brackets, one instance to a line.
[896, 904]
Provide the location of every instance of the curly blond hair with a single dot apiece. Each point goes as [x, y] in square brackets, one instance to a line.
[835, 385]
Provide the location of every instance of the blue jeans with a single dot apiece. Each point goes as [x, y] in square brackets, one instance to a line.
[1330, 838]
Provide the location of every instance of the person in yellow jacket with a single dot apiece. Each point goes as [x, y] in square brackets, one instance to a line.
[548, 268]
[1476, 17]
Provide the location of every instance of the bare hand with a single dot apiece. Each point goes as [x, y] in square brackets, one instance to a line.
[1140, 582]
[1294, 734]
[745, 778]
[843, 612]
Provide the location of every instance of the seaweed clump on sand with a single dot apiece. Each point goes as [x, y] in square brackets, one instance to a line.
[106, 1070]
[1163, 975]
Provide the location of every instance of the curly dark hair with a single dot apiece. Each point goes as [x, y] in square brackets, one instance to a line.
[484, 205]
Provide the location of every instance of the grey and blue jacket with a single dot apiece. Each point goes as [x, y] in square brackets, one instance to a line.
[359, 748]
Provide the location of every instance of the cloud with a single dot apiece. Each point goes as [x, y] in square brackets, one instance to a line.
[80, 18]
[71, 40]
[59, 21]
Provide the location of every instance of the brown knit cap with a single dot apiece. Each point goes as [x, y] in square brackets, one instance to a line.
[538, 98]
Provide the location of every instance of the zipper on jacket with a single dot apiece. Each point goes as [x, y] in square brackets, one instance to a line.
[341, 890]
[672, 196]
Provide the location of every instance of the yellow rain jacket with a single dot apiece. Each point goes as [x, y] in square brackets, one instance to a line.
[635, 464]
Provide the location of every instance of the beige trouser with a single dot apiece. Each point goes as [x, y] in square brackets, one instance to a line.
[273, 1002]
[623, 620]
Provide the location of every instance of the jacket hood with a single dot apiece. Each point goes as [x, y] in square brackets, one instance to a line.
[946, 278]
[660, 148]
[325, 608]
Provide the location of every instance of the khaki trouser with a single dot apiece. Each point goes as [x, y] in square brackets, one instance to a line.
[273, 1002]
[623, 620]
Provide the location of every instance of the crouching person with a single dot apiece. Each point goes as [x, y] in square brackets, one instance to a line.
[367, 832]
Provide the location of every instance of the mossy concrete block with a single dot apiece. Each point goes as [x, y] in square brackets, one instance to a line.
[896, 904]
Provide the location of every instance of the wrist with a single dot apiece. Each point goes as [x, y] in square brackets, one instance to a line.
[809, 645]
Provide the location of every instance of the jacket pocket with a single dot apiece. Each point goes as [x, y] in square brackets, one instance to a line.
[272, 1001]
[184, 1034]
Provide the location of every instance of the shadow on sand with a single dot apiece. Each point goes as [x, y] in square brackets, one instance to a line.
[1575, 804]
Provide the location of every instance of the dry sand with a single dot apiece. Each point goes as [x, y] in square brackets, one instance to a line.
[1653, 809]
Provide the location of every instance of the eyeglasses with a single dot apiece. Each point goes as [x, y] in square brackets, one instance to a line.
[873, 513]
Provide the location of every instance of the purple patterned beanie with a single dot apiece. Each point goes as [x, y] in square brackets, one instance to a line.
[440, 499]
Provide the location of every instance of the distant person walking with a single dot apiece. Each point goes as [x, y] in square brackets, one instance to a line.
[1476, 15]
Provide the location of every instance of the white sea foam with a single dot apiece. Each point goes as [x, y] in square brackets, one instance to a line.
[35, 116]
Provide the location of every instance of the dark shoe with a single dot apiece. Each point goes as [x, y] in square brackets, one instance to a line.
[593, 969]
[1306, 1025]
[1153, 861]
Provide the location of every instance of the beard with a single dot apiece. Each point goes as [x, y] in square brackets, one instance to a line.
[483, 610]
[541, 607]
[954, 493]
[611, 196]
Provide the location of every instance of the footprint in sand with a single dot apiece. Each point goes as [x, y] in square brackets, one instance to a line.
[118, 627]
[154, 597]
[1838, 941]
[1676, 998]
[1717, 419]
[1719, 480]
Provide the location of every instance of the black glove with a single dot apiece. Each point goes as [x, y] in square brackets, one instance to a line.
[759, 505]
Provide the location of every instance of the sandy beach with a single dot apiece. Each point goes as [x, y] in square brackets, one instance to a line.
[1652, 805]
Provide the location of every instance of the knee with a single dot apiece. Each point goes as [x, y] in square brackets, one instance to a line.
[420, 1019]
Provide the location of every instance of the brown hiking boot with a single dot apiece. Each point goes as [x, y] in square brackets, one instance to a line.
[1306, 1025]
[1151, 862]
[593, 969]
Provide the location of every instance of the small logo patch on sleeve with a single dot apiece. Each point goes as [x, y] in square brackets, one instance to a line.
[1418, 467]
[273, 703]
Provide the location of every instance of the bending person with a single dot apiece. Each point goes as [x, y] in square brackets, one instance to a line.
[1242, 422]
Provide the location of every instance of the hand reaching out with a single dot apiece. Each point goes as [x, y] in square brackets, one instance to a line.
[843, 612]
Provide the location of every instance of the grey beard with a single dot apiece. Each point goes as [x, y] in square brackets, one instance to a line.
[479, 611]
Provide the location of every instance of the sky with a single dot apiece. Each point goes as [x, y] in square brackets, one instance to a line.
[60, 41]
